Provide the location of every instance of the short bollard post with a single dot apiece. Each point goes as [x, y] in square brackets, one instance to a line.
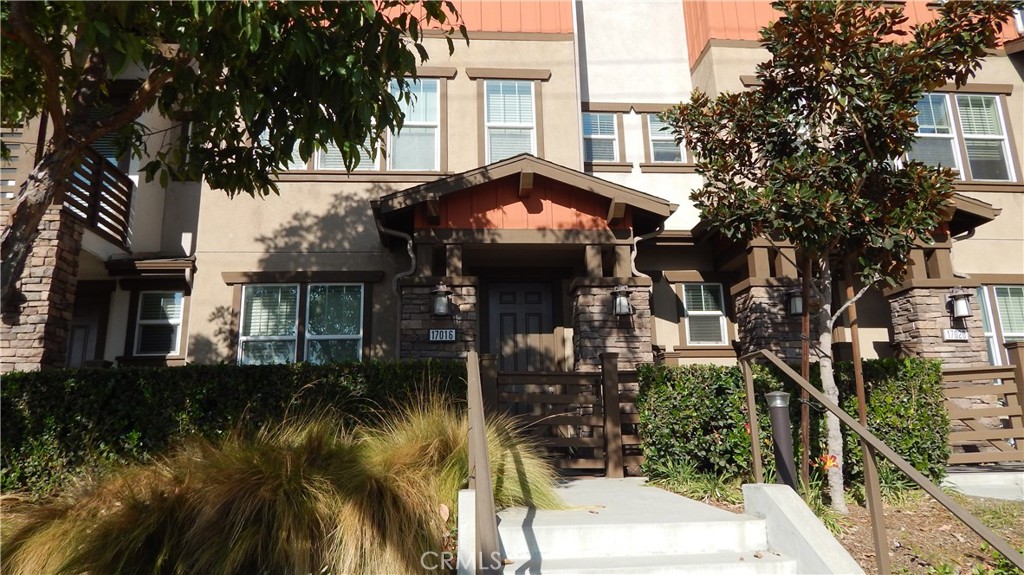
[782, 437]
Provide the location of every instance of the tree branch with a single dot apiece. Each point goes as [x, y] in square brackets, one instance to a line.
[22, 31]
[850, 302]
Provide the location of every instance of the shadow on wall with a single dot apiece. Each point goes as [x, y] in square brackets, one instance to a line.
[224, 321]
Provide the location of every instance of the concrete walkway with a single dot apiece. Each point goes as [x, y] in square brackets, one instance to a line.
[1000, 481]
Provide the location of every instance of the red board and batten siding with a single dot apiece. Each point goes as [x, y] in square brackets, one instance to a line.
[742, 19]
[496, 205]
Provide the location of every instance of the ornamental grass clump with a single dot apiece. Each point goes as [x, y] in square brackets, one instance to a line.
[305, 496]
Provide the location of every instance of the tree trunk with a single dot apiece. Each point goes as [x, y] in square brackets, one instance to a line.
[834, 436]
[37, 194]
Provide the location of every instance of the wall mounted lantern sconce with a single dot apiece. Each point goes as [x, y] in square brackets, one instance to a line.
[794, 303]
[959, 303]
[441, 300]
[620, 302]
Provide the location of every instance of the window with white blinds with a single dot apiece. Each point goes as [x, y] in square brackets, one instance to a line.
[599, 140]
[704, 311]
[977, 134]
[936, 144]
[984, 137]
[663, 143]
[158, 323]
[332, 324]
[331, 159]
[1002, 315]
[417, 145]
[293, 162]
[269, 324]
[509, 121]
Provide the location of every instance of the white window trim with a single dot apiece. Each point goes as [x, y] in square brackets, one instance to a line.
[310, 337]
[532, 125]
[1018, 18]
[1004, 138]
[952, 136]
[241, 322]
[372, 166]
[437, 134]
[723, 326]
[659, 136]
[613, 137]
[991, 339]
[173, 322]
[999, 314]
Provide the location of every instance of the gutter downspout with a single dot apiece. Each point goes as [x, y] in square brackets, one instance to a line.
[964, 236]
[399, 276]
[632, 255]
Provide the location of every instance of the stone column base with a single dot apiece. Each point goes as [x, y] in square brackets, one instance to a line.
[596, 330]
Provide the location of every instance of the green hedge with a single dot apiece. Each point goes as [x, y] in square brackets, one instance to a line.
[695, 416]
[58, 424]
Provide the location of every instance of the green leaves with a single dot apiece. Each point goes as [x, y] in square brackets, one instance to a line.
[813, 154]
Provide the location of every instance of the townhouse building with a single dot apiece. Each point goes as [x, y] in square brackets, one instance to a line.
[533, 208]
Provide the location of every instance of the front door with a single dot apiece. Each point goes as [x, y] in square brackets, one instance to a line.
[521, 327]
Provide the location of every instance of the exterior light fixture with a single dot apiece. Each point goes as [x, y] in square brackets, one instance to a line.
[959, 303]
[794, 303]
[441, 300]
[620, 302]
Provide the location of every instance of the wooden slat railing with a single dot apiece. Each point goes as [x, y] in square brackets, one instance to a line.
[872, 445]
[100, 194]
[585, 420]
[984, 433]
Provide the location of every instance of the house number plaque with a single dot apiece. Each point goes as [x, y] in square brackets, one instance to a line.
[954, 335]
[442, 335]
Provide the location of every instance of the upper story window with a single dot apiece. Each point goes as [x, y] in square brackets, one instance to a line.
[973, 130]
[417, 145]
[1002, 316]
[158, 330]
[599, 138]
[509, 120]
[663, 144]
[705, 314]
[328, 328]
[294, 162]
[415, 148]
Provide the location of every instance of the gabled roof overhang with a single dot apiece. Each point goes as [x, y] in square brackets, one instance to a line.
[969, 213]
[649, 212]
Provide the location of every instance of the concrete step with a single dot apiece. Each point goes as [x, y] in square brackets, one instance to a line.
[614, 518]
[749, 563]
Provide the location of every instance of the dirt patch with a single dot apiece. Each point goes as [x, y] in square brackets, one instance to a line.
[923, 535]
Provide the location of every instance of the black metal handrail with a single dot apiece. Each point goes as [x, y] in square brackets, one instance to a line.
[868, 438]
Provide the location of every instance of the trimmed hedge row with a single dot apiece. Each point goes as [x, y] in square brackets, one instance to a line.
[696, 416]
[58, 424]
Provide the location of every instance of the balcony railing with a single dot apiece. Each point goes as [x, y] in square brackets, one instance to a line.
[100, 194]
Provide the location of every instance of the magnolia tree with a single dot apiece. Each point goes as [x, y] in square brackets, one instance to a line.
[256, 83]
[816, 153]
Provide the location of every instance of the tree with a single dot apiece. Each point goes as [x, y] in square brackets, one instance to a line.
[816, 153]
[253, 82]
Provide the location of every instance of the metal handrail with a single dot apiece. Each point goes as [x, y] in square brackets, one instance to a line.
[480, 469]
[878, 445]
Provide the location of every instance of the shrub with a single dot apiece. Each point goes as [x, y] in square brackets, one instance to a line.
[57, 424]
[307, 496]
[696, 416]
[693, 416]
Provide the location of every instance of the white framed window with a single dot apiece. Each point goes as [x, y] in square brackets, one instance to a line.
[1018, 19]
[704, 312]
[158, 323]
[600, 143]
[936, 143]
[1002, 316]
[417, 146]
[334, 323]
[663, 144]
[331, 159]
[981, 124]
[294, 162]
[269, 324]
[975, 145]
[509, 119]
